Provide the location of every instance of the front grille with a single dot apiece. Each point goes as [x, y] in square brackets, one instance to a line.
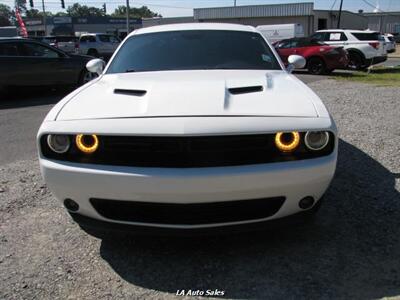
[188, 214]
[185, 152]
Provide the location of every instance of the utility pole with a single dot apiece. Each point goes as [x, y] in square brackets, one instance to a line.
[234, 3]
[44, 18]
[127, 17]
[340, 14]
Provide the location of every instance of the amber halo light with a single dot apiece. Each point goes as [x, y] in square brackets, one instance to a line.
[287, 141]
[87, 143]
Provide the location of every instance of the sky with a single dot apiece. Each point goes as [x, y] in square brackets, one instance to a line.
[179, 8]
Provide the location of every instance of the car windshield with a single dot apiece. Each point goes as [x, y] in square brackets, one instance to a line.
[194, 50]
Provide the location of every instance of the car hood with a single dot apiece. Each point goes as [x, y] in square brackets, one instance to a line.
[192, 93]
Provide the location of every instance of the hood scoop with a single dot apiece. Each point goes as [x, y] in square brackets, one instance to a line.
[246, 90]
[138, 93]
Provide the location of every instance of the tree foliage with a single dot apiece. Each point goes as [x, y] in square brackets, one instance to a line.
[141, 12]
[35, 13]
[6, 15]
[77, 10]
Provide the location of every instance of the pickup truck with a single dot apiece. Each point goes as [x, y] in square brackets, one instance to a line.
[98, 44]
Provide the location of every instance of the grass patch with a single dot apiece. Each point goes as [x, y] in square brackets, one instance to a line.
[380, 76]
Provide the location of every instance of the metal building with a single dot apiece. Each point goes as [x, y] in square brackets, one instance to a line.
[71, 25]
[385, 22]
[302, 13]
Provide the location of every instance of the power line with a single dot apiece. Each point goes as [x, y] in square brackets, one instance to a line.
[370, 4]
[334, 2]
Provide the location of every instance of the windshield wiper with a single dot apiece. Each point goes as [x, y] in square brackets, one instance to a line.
[130, 71]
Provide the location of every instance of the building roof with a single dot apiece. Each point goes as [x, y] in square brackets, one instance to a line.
[254, 11]
[194, 26]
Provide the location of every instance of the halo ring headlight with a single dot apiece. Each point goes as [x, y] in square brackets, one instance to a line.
[87, 143]
[287, 141]
[316, 140]
[58, 143]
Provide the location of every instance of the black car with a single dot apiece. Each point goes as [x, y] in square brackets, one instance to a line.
[26, 62]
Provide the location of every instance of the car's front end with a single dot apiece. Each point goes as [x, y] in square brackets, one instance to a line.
[336, 58]
[189, 149]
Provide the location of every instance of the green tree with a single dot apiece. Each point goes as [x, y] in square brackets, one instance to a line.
[60, 14]
[6, 15]
[35, 13]
[21, 5]
[141, 12]
[77, 10]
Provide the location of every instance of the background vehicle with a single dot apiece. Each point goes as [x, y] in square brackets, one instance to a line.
[364, 47]
[8, 31]
[98, 44]
[26, 62]
[321, 58]
[281, 31]
[44, 39]
[66, 43]
[390, 43]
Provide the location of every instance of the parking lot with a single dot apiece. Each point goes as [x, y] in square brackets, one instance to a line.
[351, 250]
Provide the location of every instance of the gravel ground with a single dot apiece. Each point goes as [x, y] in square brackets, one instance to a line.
[351, 251]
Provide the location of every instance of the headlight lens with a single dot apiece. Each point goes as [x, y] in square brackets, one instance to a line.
[287, 141]
[59, 143]
[316, 140]
[87, 143]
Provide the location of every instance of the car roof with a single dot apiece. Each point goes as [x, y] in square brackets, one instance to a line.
[194, 26]
[343, 30]
[94, 33]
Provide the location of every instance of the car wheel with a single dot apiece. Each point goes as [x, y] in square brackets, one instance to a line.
[93, 52]
[86, 76]
[355, 61]
[316, 66]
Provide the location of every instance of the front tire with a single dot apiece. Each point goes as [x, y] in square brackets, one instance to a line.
[355, 61]
[316, 66]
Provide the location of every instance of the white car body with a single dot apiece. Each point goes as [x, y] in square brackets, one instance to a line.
[390, 44]
[370, 51]
[194, 103]
[98, 44]
[278, 32]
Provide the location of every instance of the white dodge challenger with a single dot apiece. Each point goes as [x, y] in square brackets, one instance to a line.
[188, 127]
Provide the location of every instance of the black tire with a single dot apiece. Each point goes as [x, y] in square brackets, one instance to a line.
[356, 61]
[316, 66]
[93, 52]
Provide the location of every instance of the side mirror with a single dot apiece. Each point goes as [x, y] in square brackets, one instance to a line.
[96, 65]
[296, 62]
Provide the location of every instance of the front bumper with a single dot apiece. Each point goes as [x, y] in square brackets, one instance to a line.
[292, 180]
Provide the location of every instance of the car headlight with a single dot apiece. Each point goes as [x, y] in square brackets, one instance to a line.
[59, 143]
[87, 143]
[316, 140]
[287, 141]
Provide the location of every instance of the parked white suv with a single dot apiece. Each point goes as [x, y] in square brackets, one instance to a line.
[390, 43]
[98, 44]
[365, 48]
